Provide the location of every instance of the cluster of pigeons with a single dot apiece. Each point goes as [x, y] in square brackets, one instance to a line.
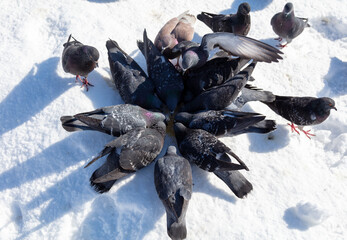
[187, 91]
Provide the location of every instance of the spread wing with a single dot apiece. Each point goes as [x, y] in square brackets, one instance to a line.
[241, 46]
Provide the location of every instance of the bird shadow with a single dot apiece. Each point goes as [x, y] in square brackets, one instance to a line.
[256, 5]
[335, 81]
[67, 194]
[52, 160]
[293, 222]
[38, 89]
[330, 27]
[269, 142]
[203, 184]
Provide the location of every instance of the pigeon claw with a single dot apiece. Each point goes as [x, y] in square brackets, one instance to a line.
[281, 45]
[293, 128]
[308, 134]
[84, 82]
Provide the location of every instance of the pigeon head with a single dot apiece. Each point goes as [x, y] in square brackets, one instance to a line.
[184, 117]
[153, 117]
[328, 104]
[288, 9]
[244, 9]
[189, 59]
[168, 41]
[171, 150]
[321, 107]
[180, 131]
[160, 127]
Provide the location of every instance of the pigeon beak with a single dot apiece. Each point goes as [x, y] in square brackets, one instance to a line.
[96, 64]
[334, 108]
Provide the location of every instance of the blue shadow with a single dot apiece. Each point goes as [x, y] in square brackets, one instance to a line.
[336, 79]
[293, 222]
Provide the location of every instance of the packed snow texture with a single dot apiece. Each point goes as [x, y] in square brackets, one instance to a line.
[44, 189]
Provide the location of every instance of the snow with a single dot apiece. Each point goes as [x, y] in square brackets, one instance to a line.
[44, 189]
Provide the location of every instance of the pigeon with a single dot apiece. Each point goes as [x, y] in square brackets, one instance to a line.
[131, 81]
[114, 120]
[167, 80]
[138, 148]
[214, 72]
[239, 23]
[220, 97]
[286, 25]
[194, 56]
[178, 29]
[224, 121]
[174, 183]
[302, 111]
[205, 150]
[79, 59]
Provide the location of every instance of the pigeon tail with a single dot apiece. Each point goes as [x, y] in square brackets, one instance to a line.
[177, 230]
[71, 124]
[237, 183]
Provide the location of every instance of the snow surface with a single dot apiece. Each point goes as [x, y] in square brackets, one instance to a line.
[44, 189]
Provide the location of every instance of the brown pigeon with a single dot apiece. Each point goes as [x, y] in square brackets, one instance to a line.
[286, 25]
[79, 59]
[176, 30]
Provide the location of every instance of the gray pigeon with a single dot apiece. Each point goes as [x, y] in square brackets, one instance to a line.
[205, 150]
[79, 59]
[174, 183]
[167, 80]
[114, 120]
[303, 111]
[138, 148]
[215, 72]
[239, 23]
[131, 81]
[195, 56]
[221, 96]
[178, 29]
[225, 122]
[286, 25]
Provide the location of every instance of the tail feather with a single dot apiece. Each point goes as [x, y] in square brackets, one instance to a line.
[177, 230]
[251, 93]
[71, 124]
[237, 183]
[264, 126]
[205, 18]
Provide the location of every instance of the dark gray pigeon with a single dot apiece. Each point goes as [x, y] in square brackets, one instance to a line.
[238, 23]
[205, 150]
[236, 45]
[167, 80]
[174, 183]
[138, 148]
[302, 111]
[177, 29]
[131, 81]
[214, 72]
[79, 59]
[114, 120]
[286, 25]
[225, 122]
[220, 97]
